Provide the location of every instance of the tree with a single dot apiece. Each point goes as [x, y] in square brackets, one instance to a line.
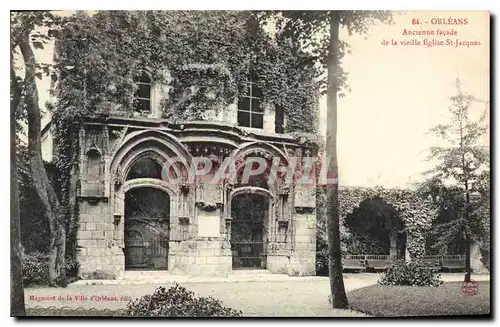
[23, 36]
[464, 164]
[17, 306]
[319, 31]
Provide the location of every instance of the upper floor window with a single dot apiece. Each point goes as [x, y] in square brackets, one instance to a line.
[279, 120]
[250, 114]
[142, 97]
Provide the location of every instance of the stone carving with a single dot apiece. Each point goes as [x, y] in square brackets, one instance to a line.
[184, 220]
[120, 135]
[105, 136]
[283, 189]
[119, 178]
[304, 210]
[218, 194]
[183, 228]
[206, 206]
[305, 198]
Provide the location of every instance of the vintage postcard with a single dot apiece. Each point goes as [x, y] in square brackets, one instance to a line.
[250, 163]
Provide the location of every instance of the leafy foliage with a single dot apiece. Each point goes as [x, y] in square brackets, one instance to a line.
[311, 30]
[32, 211]
[35, 269]
[413, 273]
[459, 183]
[413, 211]
[371, 223]
[177, 301]
[321, 257]
[204, 57]
[410, 212]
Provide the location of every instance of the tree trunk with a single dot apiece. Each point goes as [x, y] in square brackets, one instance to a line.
[17, 306]
[467, 236]
[42, 184]
[467, 260]
[71, 246]
[393, 239]
[339, 298]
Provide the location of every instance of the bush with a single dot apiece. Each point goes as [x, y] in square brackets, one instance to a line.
[321, 258]
[413, 273]
[35, 269]
[177, 301]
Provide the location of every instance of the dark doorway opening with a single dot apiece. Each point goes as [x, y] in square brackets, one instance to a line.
[147, 229]
[249, 231]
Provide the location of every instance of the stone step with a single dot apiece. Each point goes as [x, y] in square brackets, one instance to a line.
[235, 275]
[239, 272]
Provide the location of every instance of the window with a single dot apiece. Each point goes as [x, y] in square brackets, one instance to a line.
[250, 114]
[142, 97]
[279, 120]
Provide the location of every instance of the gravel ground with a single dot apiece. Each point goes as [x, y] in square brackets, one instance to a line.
[254, 298]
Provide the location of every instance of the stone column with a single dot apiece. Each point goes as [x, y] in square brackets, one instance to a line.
[393, 237]
[407, 256]
[475, 259]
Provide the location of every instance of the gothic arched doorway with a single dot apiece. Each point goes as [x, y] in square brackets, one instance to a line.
[249, 230]
[147, 229]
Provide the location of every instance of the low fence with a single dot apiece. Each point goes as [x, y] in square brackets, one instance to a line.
[454, 261]
[366, 261]
[248, 254]
[382, 261]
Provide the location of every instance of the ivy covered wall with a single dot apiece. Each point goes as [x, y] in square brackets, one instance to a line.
[203, 59]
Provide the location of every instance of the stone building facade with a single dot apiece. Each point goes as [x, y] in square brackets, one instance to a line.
[135, 215]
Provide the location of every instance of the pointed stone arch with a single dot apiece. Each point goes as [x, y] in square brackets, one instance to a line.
[258, 149]
[136, 143]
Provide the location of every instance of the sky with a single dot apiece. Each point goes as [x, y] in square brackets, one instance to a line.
[397, 94]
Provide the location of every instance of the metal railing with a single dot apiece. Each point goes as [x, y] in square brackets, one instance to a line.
[363, 257]
[248, 254]
[449, 261]
[151, 254]
[456, 257]
[363, 261]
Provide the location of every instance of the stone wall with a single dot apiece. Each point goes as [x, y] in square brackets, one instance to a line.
[200, 258]
[47, 144]
[199, 217]
[303, 259]
[99, 242]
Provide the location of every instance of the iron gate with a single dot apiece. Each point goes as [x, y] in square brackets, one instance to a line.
[249, 230]
[146, 254]
[249, 254]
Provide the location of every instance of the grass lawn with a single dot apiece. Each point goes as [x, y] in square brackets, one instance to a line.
[448, 299]
[254, 299]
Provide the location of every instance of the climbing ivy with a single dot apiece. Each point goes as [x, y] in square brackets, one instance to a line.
[203, 57]
[415, 211]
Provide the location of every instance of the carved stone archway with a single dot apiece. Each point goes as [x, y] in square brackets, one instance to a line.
[161, 148]
[250, 232]
[281, 194]
[147, 213]
[416, 213]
